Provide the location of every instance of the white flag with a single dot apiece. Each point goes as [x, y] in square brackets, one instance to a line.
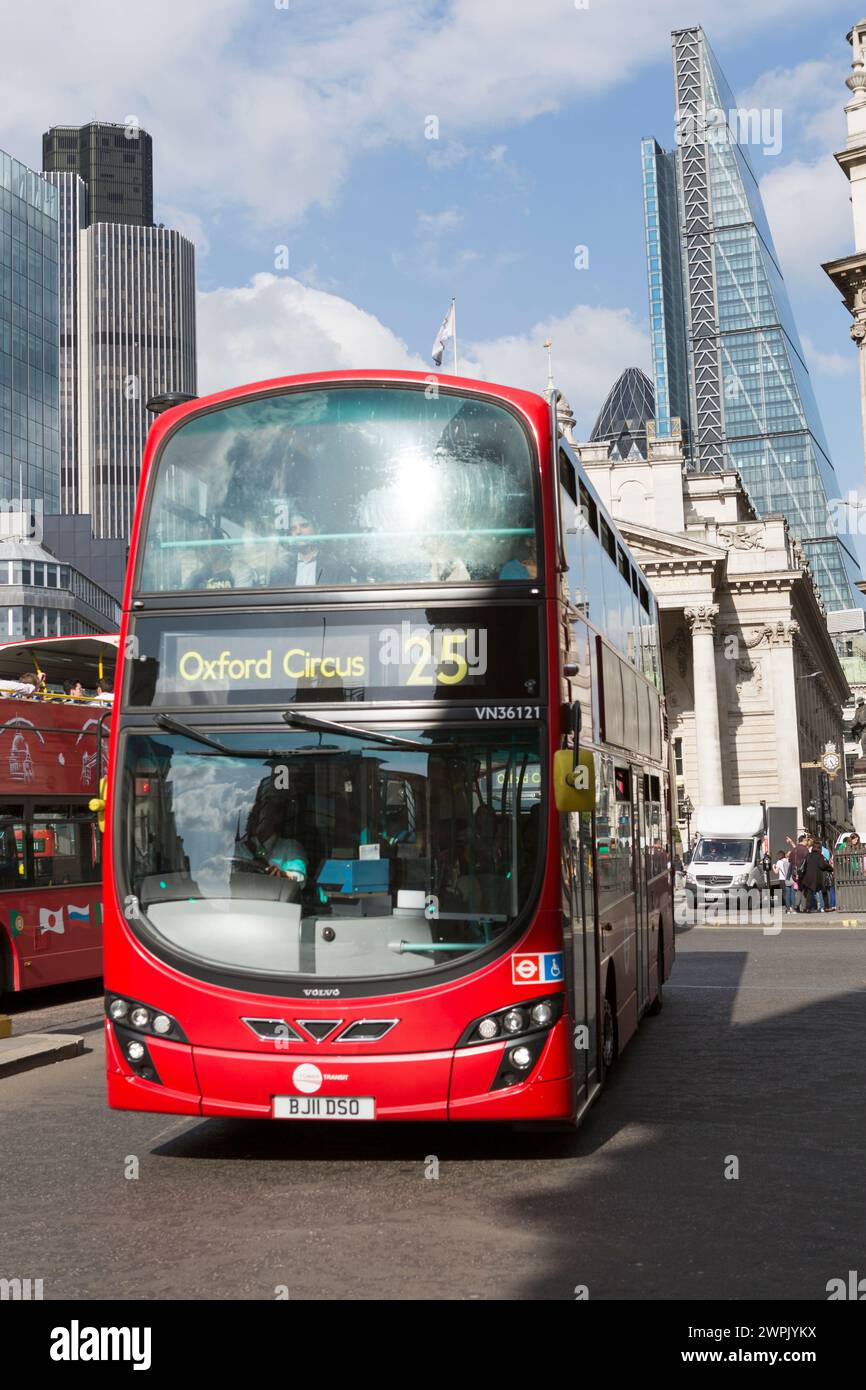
[445, 332]
[51, 921]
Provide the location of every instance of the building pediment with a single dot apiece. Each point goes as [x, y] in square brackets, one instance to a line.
[650, 544]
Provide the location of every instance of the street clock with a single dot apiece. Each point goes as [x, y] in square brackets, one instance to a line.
[831, 762]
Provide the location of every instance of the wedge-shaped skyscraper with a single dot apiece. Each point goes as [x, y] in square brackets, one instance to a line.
[727, 358]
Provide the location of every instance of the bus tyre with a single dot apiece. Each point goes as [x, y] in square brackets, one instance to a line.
[656, 1005]
[608, 1035]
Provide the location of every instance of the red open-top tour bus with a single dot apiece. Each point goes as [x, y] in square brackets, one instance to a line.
[53, 751]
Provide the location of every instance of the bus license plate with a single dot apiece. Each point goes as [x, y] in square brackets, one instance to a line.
[324, 1108]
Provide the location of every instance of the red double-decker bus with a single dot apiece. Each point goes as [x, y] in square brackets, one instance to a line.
[53, 751]
[389, 817]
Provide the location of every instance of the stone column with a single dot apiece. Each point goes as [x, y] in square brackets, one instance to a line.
[858, 333]
[858, 785]
[708, 741]
[789, 755]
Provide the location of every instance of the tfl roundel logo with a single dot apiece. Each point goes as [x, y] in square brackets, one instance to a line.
[307, 1078]
[545, 967]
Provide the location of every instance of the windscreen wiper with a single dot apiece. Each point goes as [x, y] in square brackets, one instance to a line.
[335, 726]
[174, 726]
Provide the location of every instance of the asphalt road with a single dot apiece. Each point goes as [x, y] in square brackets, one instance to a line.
[759, 1056]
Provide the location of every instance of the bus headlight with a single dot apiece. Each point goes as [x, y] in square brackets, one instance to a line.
[536, 1015]
[142, 1018]
[518, 1062]
[136, 1054]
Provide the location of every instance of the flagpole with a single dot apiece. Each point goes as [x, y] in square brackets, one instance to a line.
[454, 321]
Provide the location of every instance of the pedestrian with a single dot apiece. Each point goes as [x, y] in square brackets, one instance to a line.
[829, 883]
[811, 878]
[782, 870]
[797, 855]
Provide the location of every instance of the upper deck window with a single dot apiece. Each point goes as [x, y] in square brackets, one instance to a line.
[342, 486]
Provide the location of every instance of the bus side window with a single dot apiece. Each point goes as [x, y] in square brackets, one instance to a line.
[61, 845]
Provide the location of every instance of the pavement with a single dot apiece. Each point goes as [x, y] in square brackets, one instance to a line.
[722, 1161]
[36, 1050]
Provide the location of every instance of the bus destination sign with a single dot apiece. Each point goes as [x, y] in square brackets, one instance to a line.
[408, 654]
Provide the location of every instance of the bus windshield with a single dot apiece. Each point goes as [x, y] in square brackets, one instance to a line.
[341, 486]
[330, 855]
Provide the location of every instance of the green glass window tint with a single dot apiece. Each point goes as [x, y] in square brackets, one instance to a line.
[340, 486]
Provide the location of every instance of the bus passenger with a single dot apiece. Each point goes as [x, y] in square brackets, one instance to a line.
[306, 565]
[524, 565]
[445, 566]
[221, 570]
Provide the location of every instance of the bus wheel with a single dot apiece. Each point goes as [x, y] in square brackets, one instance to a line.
[656, 1005]
[608, 1035]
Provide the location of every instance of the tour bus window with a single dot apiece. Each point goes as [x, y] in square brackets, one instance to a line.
[13, 848]
[63, 846]
[343, 486]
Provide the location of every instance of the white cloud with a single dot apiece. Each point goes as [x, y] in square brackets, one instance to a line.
[811, 96]
[277, 326]
[809, 213]
[591, 347]
[828, 363]
[265, 108]
[434, 224]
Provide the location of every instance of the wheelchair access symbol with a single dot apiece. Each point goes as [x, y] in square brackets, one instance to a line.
[546, 966]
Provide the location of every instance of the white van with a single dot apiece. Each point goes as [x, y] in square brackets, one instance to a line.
[727, 857]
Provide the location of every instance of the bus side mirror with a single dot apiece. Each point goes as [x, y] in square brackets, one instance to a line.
[97, 804]
[574, 781]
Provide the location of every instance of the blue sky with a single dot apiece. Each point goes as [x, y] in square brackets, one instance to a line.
[286, 123]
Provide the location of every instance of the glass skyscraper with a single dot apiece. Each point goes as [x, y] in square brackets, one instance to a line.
[29, 448]
[727, 358]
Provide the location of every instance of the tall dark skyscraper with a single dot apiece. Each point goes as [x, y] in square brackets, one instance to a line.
[115, 163]
[727, 358]
[127, 314]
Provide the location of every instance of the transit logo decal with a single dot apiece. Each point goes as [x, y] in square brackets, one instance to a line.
[307, 1078]
[546, 966]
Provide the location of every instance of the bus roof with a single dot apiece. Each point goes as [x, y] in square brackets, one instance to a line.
[61, 658]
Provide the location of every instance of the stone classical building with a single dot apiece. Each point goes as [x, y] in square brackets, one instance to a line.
[753, 680]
